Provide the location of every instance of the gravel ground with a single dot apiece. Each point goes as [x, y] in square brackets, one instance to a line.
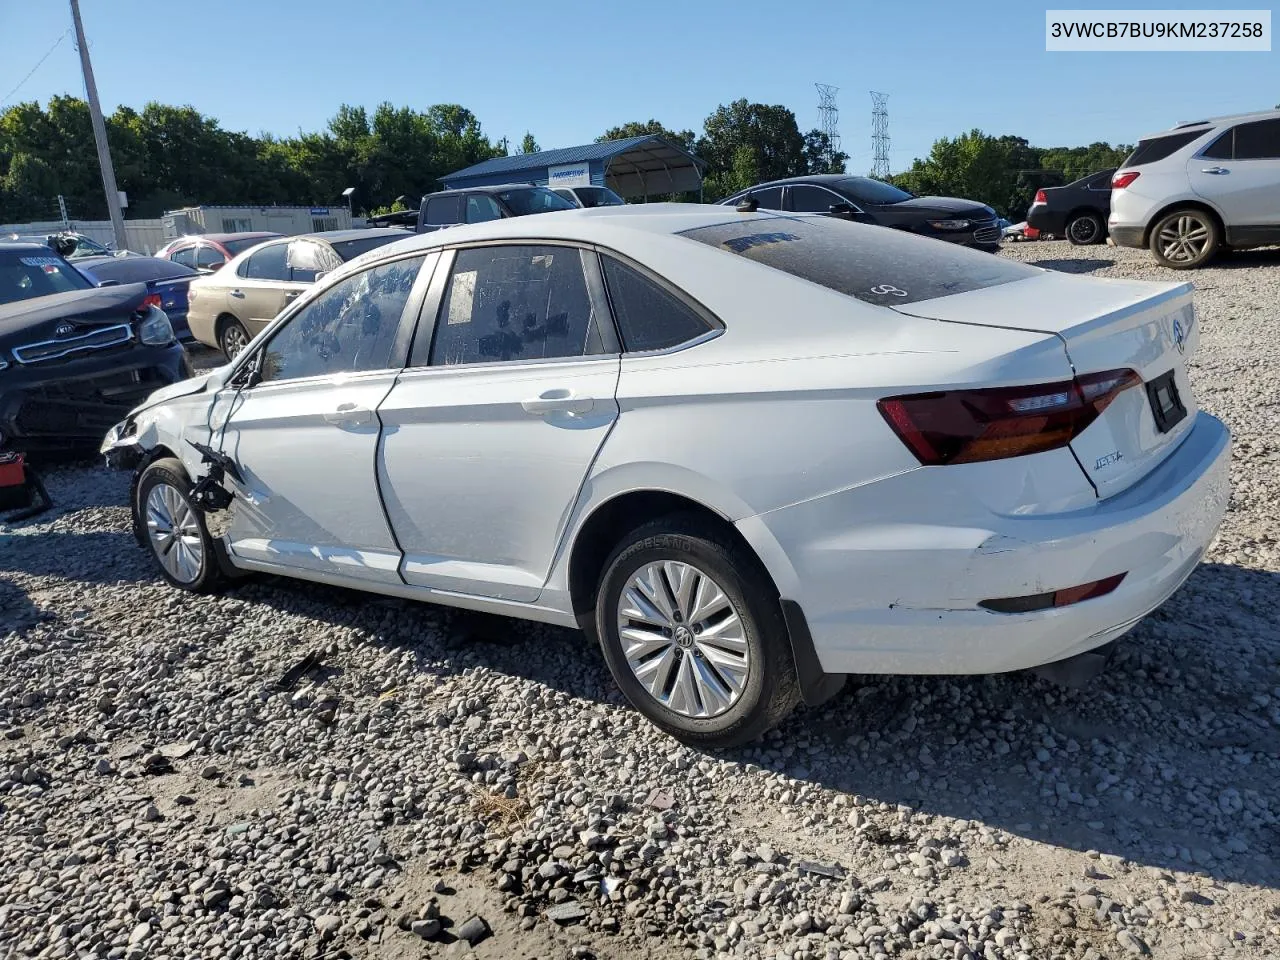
[161, 795]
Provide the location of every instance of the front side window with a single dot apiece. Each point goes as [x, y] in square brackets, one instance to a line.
[482, 207]
[767, 198]
[1259, 140]
[648, 317]
[269, 263]
[808, 199]
[445, 209]
[507, 303]
[186, 256]
[350, 327]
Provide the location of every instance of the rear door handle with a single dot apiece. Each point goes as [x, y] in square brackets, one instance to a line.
[1215, 170]
[348, 413]
[291, 296]
[237, 294]
[559, 400]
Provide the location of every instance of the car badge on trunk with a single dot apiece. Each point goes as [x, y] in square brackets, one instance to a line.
[64, 330]
[1179, 338]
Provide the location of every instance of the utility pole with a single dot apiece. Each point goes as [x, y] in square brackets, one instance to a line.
[99, 132]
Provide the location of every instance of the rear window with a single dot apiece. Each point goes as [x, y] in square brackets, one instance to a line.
[534, 200]
[25, 275]
[350, 249]
[241, 244]
[138, 269]
[1157, 148]
[873, 264]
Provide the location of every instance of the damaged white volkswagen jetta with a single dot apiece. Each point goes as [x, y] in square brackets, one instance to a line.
[750, 453]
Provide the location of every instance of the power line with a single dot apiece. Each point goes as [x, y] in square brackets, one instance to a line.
[829, 121]
[32, 71]
[880, 134]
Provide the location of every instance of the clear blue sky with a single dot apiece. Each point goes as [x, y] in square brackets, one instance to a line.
[567, 71]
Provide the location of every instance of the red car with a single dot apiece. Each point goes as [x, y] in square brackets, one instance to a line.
[207, 252]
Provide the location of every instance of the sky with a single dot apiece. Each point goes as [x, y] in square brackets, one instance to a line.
[569, 70]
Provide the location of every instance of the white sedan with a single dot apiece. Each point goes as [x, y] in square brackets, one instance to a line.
[750, 453]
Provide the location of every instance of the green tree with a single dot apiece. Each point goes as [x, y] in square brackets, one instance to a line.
[745, 143]
[684, 139]
[528, 144]
[820, 156]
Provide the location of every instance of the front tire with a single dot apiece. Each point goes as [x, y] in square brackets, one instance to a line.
[174, 530]
[1185, 239]
[692, 630]
[1085, 230]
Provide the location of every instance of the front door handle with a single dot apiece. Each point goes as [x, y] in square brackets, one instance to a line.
[348, 413]
[237, 294]
[1217, 171]
[558, 401]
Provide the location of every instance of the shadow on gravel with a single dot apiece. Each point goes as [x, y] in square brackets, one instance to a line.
[100, 556]
[1073, 266]
[1162, 760]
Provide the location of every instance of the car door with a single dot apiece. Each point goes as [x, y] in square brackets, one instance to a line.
[1240, 173]
[260, 286]
[304, 433]
[489, 433]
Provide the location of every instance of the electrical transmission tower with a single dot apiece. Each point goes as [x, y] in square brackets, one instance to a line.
[829, 121]
[880, 134]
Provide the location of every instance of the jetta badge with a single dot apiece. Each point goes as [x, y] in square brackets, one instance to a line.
[64, 330]
[1179, 338]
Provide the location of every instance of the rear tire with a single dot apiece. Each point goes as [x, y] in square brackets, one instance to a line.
[1185, 239]
[232, 337]
[174, 530]
[1086, 229]
[692, 630]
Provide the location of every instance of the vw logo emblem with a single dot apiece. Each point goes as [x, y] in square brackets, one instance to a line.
[64, 330]
[1179, 338]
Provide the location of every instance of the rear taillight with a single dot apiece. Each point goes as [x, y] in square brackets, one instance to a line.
[968, 426]
[1122, 180]
[1041, 197]
[151, 300]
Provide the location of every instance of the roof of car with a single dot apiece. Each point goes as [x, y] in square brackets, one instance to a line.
[224, 237]
[355, 233]
[19, 245]
[488, 188]
[1213, 122]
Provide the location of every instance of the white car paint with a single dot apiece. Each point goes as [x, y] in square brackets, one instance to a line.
[771, 423]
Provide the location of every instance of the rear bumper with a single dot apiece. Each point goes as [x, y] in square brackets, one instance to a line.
[69, 407]
[1046, 220]
[899, 593]
[1126, 236]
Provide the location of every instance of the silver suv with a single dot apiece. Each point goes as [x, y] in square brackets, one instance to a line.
[1193, 190]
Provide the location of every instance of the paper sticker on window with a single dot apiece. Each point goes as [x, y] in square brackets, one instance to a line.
[462, 296]
[41, 261]
[543, 260]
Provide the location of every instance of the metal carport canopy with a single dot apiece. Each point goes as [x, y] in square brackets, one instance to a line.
[652, 166]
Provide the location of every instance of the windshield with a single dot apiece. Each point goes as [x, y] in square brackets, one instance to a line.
[26, 275]
[84, 247]
[873, 264]
[867, 190]
[350, 249]
[599, 197]
[533, 200]
[241, 244]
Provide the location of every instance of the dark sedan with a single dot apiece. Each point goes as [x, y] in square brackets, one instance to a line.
[866, 200]
[1077, 211]
[74, 358]
[166, 280]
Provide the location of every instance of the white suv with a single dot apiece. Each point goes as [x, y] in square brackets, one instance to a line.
[1192, 190]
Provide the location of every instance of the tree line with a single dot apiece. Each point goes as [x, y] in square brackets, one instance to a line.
[173, 156]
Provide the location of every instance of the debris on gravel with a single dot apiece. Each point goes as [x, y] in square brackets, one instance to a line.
[171, 784]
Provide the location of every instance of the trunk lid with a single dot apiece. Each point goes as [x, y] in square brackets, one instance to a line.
[1104, 325]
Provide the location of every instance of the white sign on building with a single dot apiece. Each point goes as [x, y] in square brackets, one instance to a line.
[569, 175]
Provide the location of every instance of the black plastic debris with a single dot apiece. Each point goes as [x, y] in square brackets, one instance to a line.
[289, 679]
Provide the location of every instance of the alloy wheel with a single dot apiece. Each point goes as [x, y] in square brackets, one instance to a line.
[175, 533]
[683, 639]
[234, 339]
[1183, 239]
[1083, 230]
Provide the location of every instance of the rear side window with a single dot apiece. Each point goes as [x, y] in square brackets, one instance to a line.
[445, 209]
[1259, 140]
[885, 267]
[648, 317]
[518, 302]
[1157, 148]
[1220, 149]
